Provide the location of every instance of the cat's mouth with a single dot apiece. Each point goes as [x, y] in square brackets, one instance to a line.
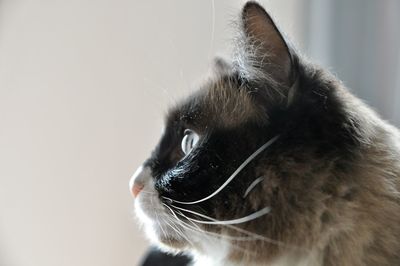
[159, 224]
[161, 228]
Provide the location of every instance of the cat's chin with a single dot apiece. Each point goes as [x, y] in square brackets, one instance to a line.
[173, 246]
[168, 241]
[159, 227]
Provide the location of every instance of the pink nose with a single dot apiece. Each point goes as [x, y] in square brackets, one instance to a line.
[136, 189]
[138, 180]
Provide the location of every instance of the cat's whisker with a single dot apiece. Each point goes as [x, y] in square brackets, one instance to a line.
[197, 228]
[239, 238]
[209, 218]
[157, 219]
[253, 185]
[223, 238]
[181, 234]
[215, 236]
[178, 231]
[237, 171]
[180, 224]
[244, 219]
[184, 224]
[246, 232]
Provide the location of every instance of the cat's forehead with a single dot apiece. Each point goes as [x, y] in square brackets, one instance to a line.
[220, 102]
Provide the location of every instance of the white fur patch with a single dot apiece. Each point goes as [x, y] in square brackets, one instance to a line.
[158, 220]
[216, 251]
[312, 259]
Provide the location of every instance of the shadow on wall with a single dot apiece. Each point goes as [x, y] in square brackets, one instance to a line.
[360, 41]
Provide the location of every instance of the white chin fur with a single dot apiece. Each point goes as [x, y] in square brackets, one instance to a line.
[152, 216]
[150, 213]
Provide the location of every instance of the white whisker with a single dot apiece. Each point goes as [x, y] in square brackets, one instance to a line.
[240, 238]
[252, 185]
[256, 236]
[176, 229]
[158, 221]
[179, 231]
[244, 219]
[224, 238]
[240, 168]
[211, 235]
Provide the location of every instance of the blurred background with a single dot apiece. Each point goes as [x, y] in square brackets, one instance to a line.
[84, 86]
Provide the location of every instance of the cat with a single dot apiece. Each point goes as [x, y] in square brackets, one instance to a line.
[273, 162]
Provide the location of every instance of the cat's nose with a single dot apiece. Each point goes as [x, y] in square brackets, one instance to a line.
[138, 180]
[136, 189]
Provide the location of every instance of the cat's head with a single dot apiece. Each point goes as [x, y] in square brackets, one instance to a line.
[243, 164]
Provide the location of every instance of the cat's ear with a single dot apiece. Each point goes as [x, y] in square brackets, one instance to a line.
[221, 66]
[263, 48]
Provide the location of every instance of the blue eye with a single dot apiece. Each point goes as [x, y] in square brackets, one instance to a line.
[189, 140]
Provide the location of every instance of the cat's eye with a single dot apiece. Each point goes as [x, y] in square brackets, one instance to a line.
[189, 140]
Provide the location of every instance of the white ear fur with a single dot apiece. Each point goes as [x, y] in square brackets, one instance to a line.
[262, 50]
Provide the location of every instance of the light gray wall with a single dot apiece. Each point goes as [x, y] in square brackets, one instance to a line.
[83, 87]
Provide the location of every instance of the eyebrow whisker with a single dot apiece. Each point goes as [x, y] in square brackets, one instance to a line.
[253, 185]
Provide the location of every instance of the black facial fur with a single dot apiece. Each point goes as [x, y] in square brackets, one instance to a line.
[315, 120]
